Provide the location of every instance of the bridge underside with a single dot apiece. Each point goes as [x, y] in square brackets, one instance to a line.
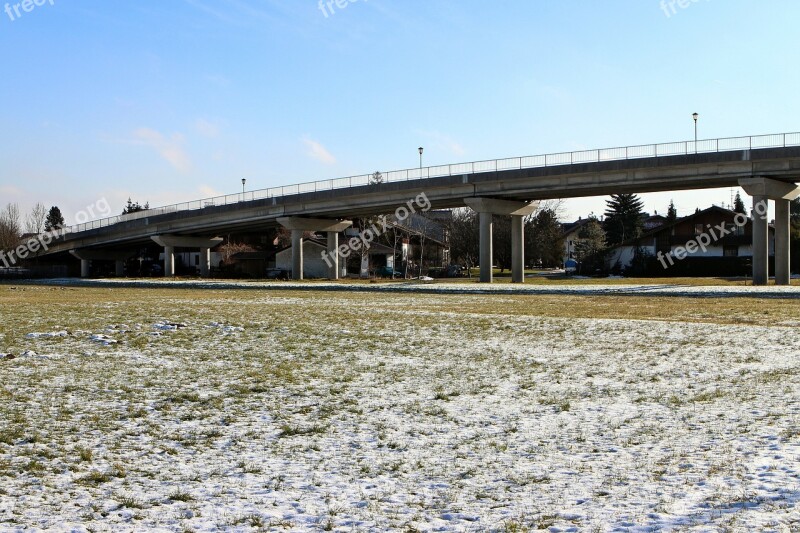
[684, 172]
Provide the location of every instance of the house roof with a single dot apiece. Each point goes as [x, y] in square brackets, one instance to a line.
[571, 227]
[659, 229]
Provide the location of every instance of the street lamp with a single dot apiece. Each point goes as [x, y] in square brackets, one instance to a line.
[421, 149]
[695, 116]
[244, 180]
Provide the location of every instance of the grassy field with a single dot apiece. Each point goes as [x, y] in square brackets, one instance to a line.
[195, 410]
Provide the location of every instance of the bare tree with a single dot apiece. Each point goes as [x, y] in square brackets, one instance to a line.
[10, 228]
[34, 222]
[464, 236]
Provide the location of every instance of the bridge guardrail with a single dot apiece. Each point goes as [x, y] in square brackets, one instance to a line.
[778, 140]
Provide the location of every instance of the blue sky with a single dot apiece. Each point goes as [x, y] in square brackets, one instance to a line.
[174, 100]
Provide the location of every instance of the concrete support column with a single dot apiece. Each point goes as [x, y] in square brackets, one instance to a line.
[486, 207]
[486, 252]
[297, 254]
[517, 249]
[760, 241]
[87, 255]
[762, 190]
[205, 262]
[333, 254]
[299, 225]
[782, 258]
[170, 242]
[169, 261]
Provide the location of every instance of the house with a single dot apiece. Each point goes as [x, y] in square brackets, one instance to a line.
[651, 222]
[570, 231]
[712, 242]
[314, 266]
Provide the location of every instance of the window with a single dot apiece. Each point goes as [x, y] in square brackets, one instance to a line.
[698, 229]
[730, 251]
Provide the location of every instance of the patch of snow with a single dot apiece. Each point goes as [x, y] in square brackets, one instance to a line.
[105, 340]
[47, 335]
[169, 326]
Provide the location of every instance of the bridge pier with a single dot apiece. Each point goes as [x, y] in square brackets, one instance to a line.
[488, 207]
[170, 242]
[205, 262]
[762, 190]
[86, 257]
[169, 261]
[783, 275]
[300, 225]
[333, 246]
[486, 246]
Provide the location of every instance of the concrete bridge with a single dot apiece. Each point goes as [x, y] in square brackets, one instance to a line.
[767, 167]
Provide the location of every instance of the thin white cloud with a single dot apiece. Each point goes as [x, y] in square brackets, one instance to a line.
[218, 79]
[206, 128]
[319, 152]
[7, 191]
[444, 142]
[171, 149]
[209, 192]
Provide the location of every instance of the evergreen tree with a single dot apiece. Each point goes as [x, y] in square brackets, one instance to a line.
[590, 246]
[133, 207]
[54, 219]
[794, 208]
[547, 238]
[672, 213]
[623, 218]
[738, 204]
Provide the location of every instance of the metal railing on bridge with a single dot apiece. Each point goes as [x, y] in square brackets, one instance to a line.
[778, 140]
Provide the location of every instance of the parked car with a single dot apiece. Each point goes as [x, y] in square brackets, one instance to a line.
[452, 271]
[277, 273]
[388, 272]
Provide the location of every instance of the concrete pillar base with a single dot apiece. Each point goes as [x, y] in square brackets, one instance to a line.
[760, 241]
[205, 262]
[169, 261]
[333, 255]
[782, 237]
[486, 252]
[297, 254]
[86, 267]
[517, 249]
[120, 268]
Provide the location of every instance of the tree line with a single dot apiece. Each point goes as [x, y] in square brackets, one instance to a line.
[13, 226]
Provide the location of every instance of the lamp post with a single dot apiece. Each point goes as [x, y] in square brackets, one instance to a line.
[421, 149]
[695, 116]
[244, 180]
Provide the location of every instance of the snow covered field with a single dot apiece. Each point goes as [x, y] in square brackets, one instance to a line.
[189, 410]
